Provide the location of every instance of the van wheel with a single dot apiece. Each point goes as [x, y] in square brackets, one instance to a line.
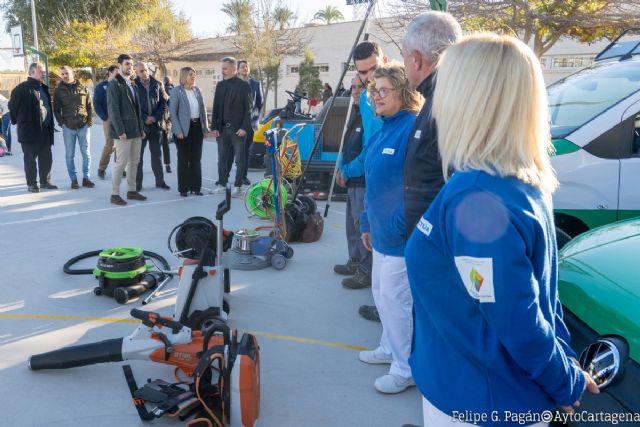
[562, 238]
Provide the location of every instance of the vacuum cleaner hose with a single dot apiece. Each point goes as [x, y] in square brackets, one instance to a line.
[78, 355]
[67, 266]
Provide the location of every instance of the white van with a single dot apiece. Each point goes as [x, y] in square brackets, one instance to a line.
[595, 126]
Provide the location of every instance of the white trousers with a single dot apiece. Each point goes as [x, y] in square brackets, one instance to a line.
[392, 295]
[433, 417]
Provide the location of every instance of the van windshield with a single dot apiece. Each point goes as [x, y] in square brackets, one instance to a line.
[580, 97]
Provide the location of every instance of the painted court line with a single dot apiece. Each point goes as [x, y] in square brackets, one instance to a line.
[24, 316]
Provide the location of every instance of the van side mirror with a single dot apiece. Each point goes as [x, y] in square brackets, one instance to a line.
[604, 360]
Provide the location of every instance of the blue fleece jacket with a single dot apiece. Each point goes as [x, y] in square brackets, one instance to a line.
[383, 197]
[371, 124]
[100, 100]
[488, 332]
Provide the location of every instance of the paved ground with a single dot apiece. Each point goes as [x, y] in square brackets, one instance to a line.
[307, 324]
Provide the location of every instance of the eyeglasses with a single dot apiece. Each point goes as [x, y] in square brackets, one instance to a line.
[383, 92]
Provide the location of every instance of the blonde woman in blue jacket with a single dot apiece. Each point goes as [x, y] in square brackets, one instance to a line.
[382, 227]
[189, 125]
[490, 346]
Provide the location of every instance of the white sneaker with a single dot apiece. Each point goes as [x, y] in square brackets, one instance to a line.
[236, 192]
[218, 189]
[375, 357]
[392, 384]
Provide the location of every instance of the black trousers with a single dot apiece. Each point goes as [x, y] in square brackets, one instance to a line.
[231, 145]
[153, 138]
[40, 153]
[189, 156]
[247, 148]
[166, 152]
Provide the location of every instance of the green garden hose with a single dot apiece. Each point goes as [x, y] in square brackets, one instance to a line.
[260, 201]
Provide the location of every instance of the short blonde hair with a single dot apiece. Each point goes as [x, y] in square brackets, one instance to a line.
[490, 105]
[394, 72]
[184, 73]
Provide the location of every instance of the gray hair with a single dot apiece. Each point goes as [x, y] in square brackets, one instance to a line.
[430, 33]
[230, 59]
[140, 63]
[34, 66]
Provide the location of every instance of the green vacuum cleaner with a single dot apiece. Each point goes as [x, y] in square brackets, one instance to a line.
[123, 273]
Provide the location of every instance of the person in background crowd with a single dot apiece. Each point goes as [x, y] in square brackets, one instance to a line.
[482, 261]
[427, 36]
[189, 124]
[367, 57]
[100, 106]
[126, 128]
[230, 123]
[5, 123]
[73, 111]
[166, 129]
[381, 225]
[256, 106]
[153, 103]
[358, 254]
[327, 93]
[30, 109]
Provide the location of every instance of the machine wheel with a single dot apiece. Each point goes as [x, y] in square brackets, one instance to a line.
[278, 261]
[209, 322]
[289, 252]
[308, 205]
[97, 291]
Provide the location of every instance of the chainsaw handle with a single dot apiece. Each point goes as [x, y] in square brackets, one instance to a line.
[151, 319]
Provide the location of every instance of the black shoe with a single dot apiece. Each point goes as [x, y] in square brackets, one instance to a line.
[167, 168]
[245, 181]
[49, 186]
[101, 174]
[348, 269]
[198, 193]
[124, 174]
[33, 189]
[162, 185]
[86, 182]
[117, 200]
[184, 194]
[134, 195]
[369, 312]
[74, 184]
[359, 281]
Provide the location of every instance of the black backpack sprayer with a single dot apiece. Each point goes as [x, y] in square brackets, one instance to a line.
[223, 370]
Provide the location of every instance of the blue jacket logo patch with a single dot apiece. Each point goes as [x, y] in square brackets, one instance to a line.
[389, 151]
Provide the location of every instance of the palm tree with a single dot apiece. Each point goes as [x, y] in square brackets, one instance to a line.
[329, 14]
[283, 17]
[240, 12]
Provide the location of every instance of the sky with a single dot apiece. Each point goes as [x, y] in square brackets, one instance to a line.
[207, 20]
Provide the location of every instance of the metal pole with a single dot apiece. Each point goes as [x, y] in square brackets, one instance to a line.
[333, 99]
[35, 28]
[335, 167]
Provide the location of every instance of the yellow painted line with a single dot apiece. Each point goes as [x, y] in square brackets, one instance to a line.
[307, 340]
[135, 321]
[61, 317]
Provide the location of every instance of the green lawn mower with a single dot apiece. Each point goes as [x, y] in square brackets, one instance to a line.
[124, 273]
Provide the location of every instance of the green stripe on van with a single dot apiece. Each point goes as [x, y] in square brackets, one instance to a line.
[563, 146]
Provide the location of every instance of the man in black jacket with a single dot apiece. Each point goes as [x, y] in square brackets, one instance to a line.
[231, 121]
[359, 256]
[153, 104]
[30, 109]
[427, 36]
